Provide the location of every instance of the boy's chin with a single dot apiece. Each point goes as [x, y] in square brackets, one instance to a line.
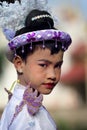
[46, 92]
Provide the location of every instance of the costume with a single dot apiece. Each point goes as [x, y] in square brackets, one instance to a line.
[40, 121]
[24, 111]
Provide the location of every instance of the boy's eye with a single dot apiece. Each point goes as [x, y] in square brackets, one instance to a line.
[43, 65]
[58, 65]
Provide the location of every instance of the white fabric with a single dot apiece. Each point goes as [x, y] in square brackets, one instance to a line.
[41, 121]
[10, 17]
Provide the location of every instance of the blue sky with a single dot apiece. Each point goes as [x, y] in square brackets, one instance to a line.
[81, 4]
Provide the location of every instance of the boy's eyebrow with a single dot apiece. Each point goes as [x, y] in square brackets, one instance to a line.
[45, 60]
[59, 62]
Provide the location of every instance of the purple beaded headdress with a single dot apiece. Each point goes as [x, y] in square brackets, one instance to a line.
[37, 36]
[41, 35]
[15, 21]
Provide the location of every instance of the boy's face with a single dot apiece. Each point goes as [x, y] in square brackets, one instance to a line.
[42, 70]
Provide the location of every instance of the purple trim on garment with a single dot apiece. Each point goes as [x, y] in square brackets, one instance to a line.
[32, 100]
[40, 35]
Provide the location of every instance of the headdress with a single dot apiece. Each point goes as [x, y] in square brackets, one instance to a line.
[13, 16]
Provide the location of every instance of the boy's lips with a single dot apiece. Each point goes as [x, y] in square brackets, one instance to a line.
[49, 85]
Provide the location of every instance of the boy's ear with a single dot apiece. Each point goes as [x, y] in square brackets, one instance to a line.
[18, 63]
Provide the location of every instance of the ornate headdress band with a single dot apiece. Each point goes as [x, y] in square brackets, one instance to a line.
[41, 35]
[41, 16]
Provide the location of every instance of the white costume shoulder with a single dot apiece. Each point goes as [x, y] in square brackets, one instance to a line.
[24, 121]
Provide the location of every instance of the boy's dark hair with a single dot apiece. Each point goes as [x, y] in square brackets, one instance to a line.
[38, 24]
[35, 25]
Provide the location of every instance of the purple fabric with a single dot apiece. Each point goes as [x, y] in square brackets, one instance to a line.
[41, 35]
[9, 34]
[32, 99]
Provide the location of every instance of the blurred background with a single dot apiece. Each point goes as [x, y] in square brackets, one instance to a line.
[68, 101]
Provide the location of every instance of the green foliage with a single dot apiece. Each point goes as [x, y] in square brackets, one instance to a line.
[65, 126]
[2, 61]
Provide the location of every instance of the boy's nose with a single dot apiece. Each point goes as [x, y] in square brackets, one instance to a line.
[51, 75]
